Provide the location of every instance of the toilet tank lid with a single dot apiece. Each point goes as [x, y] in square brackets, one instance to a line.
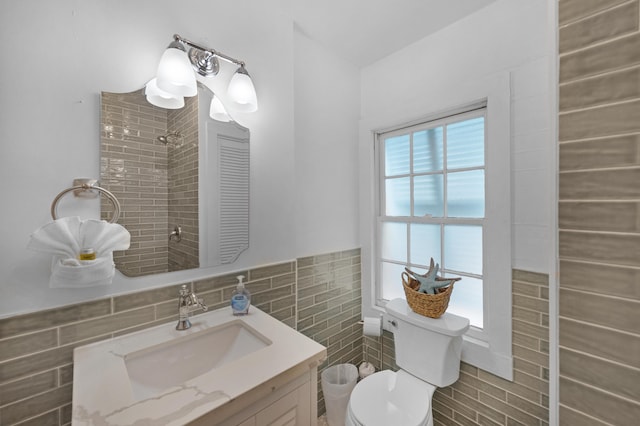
[448, 324]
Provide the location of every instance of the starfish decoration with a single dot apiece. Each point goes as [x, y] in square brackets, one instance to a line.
[430, 282]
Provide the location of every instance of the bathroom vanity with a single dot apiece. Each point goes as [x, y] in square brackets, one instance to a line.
[224, 370]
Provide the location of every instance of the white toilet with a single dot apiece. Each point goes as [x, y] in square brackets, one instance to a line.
[428, 354]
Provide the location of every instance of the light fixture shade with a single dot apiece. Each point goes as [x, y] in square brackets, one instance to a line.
[160, 98]
[242, 92]
[217, 111]
[175, 74]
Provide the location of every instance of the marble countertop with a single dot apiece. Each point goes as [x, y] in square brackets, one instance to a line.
[103, 394]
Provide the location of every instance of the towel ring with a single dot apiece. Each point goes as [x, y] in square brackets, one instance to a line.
[86, 187]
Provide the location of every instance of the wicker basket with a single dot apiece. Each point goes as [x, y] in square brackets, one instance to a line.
[428, 305]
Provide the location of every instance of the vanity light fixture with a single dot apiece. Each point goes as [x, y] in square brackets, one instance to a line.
[160, 98]
[217, 111]
[175, 78]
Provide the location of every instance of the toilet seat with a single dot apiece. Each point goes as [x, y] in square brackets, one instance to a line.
[387, 398]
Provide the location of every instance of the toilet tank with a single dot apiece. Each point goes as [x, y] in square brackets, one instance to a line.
[428, 348]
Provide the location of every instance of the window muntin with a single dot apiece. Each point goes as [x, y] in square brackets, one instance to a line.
[432, 192]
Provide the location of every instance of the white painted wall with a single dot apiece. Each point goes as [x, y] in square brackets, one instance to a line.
[327, 99]
[508, 36]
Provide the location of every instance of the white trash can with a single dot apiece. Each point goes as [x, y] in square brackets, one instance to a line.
[337, 383]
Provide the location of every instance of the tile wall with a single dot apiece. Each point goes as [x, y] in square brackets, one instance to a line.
[134, 168]
[183, 186]
[480, 398]
[329, 307]
[319, 295]
[599, 212]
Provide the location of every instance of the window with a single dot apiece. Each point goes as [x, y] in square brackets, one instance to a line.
[440, 187]
[432, 180]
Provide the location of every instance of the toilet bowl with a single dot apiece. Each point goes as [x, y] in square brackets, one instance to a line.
[388, 398]
[428, 354]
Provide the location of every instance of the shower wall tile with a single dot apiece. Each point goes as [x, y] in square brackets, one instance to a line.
[601, 342]
[596, 216]
[182, 175]
[598, 403]
[598, 28]
[134, 167]
[600, 90]
[601, 279]
[617, 151]
[605, 120]
[571, 10]
[610, 248]
[597, 309]
[598, 212]
[608, 376]
[599, 59]
[600, 185]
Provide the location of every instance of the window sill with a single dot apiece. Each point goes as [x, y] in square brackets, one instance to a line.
[478, 353]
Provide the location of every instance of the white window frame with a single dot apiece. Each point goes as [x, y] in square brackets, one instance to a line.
[491, 349]
[475, 111]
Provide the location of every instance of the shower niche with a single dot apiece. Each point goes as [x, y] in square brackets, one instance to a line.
[174, 169]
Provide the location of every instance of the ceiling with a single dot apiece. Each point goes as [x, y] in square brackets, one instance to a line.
[364, 31]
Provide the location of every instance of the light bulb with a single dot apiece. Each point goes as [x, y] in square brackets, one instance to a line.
[175, 74]
[217, 111]
[242, 92]
[160, 98]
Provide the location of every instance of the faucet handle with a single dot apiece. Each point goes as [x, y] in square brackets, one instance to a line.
[184, 290]
[202, 305]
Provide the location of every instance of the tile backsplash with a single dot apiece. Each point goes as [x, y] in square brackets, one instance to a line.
[598, 212]
[319, 295]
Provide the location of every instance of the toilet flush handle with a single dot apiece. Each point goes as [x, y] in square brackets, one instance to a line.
[393, 323]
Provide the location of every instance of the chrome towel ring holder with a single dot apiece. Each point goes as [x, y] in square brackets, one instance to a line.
[82, 185]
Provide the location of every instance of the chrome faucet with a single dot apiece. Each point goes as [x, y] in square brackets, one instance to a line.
[187, 303]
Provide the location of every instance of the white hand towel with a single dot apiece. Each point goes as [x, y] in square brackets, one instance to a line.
[65, 237]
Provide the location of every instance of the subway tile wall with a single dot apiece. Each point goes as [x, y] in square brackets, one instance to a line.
[183, 186]
[319, 295]
[480, 398]
[134, 168]
[599, 212]
[329, 307]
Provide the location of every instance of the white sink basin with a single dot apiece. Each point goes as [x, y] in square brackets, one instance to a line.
[160, 376]
[156, 368]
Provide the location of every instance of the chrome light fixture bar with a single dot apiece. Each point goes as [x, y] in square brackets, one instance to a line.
[204, 60]
[173, 82]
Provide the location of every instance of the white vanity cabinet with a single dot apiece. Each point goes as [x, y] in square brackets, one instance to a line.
[223, 371]
[294, 403]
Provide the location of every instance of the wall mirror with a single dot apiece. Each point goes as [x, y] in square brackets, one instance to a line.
[182, 180]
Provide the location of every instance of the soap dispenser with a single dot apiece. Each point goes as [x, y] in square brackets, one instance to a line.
[240, 298]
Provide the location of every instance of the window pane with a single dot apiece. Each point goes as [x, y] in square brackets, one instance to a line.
[463, 248]
[398, 194]
[394, 241]
[396, 155]
[466, 300]
[425, 244]
[465, 144]
[428, 195]
[465, 194]
[391, 287]
[427, 150]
